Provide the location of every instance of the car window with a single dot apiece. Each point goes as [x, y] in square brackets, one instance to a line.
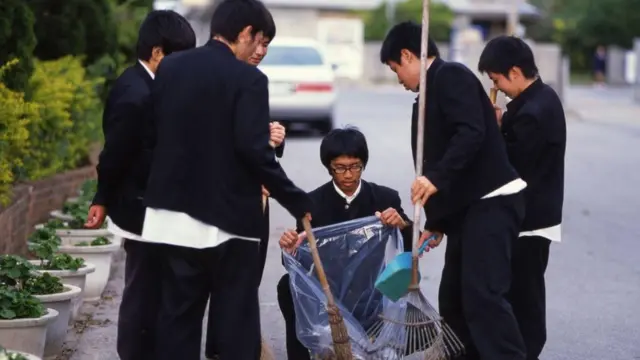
[292, 55]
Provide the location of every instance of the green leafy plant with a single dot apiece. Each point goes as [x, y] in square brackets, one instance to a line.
[15, 271]
[43, 284]
[7, 355]
[19, 304]
[99, 241]
[88, 191]
[44, 244]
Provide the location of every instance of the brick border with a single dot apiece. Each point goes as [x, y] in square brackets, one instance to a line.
[31, 204]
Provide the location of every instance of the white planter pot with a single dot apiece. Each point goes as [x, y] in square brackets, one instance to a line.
[58, 214]
[76, 278]
[26, 335]
[101, 257]
[74, 236]
[28, 356]
[57, 330]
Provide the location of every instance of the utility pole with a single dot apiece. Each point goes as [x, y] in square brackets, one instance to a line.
[513, 17]
[390, 7]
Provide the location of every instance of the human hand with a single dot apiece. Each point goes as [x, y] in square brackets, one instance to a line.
[391, 217]
[277, 132]
[421, 190]
[499, 114]
[96, 216]
[290, 240]
[265, 192]
[432, 243]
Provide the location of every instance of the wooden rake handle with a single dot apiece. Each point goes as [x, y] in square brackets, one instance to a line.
[322, 277]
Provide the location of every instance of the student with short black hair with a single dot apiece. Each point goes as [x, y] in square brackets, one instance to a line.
[469, 191]
[204, 199]
[277, 140]
[344, 153]
[122, 176]
[535, 131]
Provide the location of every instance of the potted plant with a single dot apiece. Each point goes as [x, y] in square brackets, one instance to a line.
[78, 204]
[44, 244]
[16, 355]
[23, 320]
[99, 252]
[18, 272]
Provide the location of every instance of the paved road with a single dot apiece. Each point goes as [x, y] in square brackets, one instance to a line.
[594, 275]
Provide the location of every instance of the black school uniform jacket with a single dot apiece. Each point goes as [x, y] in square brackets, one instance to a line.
[124, 162]
[212, 151]
[331, 208]
[535, 131]
[464, 154]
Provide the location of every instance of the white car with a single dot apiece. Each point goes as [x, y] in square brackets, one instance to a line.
[301, 83]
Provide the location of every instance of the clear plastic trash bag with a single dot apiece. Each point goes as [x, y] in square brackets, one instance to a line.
[353, 254]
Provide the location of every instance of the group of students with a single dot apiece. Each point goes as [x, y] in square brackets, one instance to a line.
[190, 152]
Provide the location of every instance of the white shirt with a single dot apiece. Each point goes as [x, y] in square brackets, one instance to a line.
[346, 197]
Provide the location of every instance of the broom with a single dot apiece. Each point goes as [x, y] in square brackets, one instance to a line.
[339, 334]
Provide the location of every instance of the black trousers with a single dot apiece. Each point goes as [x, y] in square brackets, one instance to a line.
[477, 276]
[210, 349]
[295, 349]
[139, 308]
[527, 294]
[227, 274]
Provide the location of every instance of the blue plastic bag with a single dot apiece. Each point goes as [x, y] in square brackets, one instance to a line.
[353, 253]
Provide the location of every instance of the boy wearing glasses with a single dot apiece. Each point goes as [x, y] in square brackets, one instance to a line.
[344, 153]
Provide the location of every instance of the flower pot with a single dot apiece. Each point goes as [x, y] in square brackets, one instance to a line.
[101, 257]
[57, 330]
[28, 356]
[26, 335]
[58, 214]
[74, 236]
[76, 278]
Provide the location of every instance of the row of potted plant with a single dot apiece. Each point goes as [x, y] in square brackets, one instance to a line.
[40, 298]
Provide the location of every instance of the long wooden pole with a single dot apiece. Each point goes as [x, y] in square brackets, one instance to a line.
[422, 99]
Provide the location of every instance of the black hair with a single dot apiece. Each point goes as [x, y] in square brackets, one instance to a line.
[348, 141]
[405, 35]
[270, 31]
[230, 17]
[166, 29]
[503, 53]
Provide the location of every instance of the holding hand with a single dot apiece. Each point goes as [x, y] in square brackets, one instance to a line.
[96, 216]
[498, 110]
[433, 243]
[391, 217]
[278, 133]
[421, 190]
[290, 240]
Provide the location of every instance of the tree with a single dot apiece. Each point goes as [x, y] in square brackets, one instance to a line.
[440, 19]
[18, 41]
[74, 27]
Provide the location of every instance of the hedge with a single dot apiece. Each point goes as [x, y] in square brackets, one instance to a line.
[53, 130]
[18, 41]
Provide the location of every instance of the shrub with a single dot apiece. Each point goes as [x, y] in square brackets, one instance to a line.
[69, 121]
[18, 41]
[16, 115]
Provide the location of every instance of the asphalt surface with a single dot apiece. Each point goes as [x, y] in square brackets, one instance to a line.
[594, 274]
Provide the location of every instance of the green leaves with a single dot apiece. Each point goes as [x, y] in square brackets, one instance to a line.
[18, 304]
[43, 284]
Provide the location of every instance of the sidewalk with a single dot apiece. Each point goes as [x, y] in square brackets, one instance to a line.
[603, 105]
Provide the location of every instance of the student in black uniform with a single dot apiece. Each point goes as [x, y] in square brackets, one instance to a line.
[470, 192]
[534, 129]
[344, 153]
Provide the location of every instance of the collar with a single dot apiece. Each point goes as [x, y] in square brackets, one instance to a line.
[432, 67]
[515, 104]
[216, 44]
[348, 199]
[153, 76]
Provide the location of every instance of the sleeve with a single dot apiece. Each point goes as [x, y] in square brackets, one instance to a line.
[280, 150]
[251, 139]
[464, 112]
[124, 137]
[407, 232]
